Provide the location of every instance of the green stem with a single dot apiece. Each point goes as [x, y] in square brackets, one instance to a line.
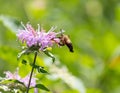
[31, 72]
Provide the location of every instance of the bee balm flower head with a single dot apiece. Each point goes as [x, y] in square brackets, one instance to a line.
[16, 76]
[38, 37]
[24, 80]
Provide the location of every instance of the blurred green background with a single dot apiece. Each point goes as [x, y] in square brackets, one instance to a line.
[94, 28]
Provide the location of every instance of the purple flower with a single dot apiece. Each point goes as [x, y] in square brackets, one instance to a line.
[15, 75]
[38, 38]
[25, 80]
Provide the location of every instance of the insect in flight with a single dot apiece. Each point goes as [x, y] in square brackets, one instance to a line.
[65, 40]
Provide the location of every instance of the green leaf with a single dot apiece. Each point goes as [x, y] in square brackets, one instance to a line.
[41, 70]
[21, 53]
[27, 51]
[50, 55]
[24, 62]
[41, 86]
